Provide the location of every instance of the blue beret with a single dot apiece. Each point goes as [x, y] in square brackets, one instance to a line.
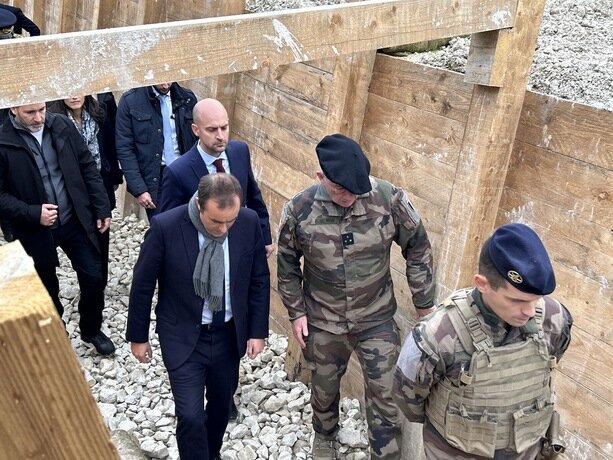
[520, 257]
[7, 19]
[343, 162]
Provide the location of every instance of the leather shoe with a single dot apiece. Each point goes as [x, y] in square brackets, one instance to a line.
[101, 342]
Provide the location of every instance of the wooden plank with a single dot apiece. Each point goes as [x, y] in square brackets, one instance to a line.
[486, 149]
[587, 362]
[437, 137]
[418, 174]
[486, 63]
[584, 414]
[45, 402]
[576, 130]
[300, 80]
[276, 141]
[277, 174]
[116, 59]
[577, 189]
[287, 111]
[349, 94]
[434, 90]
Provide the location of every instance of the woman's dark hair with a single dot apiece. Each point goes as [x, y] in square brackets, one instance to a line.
[90, 104]
[488, 269]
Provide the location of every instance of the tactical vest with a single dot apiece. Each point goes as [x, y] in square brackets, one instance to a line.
[503, 400]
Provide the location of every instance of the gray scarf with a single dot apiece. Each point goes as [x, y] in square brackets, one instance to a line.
[209, 271]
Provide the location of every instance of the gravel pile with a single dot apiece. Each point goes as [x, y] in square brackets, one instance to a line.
[135, 399]
[574, 55]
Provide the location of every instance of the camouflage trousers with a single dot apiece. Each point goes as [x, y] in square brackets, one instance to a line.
[377, 349]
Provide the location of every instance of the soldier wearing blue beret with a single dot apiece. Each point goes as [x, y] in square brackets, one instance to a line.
[342, 298]
[477, 371]
[7, 21]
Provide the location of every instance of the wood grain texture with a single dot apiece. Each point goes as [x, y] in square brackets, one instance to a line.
[434, 90]
[349, 94]
[579, 131]
[426, 133]
[486, 58]
[115, 59]
[44, 399]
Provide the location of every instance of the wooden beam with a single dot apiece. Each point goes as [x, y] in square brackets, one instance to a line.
[347, 102]
[485, 153]
[46, 407]
[486, 58]
[53, 67]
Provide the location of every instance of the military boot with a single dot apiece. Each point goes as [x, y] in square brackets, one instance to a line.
[323, 448]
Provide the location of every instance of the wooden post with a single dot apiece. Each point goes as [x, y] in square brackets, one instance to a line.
[488, 141]
[46, 408]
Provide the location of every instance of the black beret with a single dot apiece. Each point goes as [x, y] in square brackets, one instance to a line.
[7, 19]
[343, 162]
[520, 257]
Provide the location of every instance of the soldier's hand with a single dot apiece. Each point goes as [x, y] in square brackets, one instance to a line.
[270, 248]
[48, 214]
[300, 328]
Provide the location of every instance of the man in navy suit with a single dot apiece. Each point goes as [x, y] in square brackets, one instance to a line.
[211, 154]
[209, 261]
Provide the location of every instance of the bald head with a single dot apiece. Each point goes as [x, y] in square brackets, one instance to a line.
[211, 125]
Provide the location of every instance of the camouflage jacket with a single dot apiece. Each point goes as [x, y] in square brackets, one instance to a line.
[345, 283]
[433, 351]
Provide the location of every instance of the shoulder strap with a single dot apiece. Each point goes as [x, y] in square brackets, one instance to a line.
[466, 324]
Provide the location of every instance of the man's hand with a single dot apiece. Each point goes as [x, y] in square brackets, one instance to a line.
[421, 312]
[269, 250]
[48, 214]
[300, 328]
[103, 224]
[142, 351]
[254, 347]
[144, 199]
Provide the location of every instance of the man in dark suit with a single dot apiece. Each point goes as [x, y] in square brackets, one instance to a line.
[53, 195]
[211, 154]
[213, 302]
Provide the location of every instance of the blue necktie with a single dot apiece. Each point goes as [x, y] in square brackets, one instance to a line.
[169, 150]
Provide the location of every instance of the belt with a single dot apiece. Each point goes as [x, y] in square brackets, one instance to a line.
[210, 327]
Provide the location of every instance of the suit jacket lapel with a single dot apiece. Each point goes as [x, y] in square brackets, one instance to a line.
[190, 241]
[198, 165]
[234, 250]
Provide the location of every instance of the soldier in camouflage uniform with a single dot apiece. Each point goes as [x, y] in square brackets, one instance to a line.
[343, 299]
[477, 372]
